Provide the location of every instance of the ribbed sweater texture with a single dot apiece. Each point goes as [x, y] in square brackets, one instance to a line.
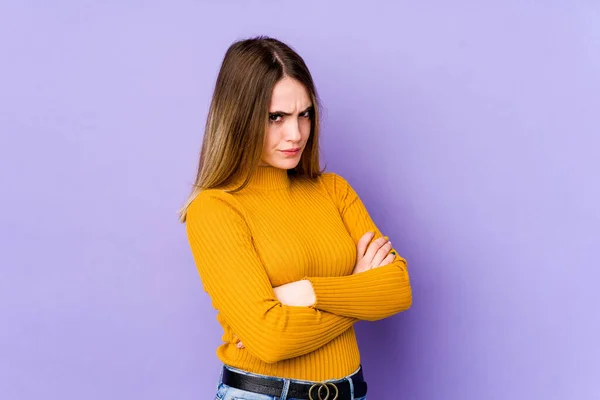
[280, 229]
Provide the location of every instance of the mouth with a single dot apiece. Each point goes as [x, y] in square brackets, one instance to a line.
[291, 152]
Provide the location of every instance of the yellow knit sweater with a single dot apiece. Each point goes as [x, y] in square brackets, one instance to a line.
[281, 229]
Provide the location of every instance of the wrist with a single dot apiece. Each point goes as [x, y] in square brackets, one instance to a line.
[298, 293]
[309, 297]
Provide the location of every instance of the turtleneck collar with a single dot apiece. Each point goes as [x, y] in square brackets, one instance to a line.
[266, 178]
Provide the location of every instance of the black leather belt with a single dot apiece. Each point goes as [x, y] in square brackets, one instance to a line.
[274, 387]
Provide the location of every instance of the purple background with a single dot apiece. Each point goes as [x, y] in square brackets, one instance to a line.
[471, 131]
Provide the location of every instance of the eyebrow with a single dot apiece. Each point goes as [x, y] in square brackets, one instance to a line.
[309, 108]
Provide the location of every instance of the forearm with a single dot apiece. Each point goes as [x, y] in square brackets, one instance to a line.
[372, 295]
[284, 332]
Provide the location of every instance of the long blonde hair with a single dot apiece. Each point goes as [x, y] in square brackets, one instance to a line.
[238, 116]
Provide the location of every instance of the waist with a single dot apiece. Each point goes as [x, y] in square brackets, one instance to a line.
[338, 358]
[243, 382]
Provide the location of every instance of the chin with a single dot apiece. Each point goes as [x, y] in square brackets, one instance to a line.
[285, 164]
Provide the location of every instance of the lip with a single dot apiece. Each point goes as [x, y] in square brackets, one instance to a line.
[290, 152]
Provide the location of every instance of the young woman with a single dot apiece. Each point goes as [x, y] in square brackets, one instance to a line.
[287, 253]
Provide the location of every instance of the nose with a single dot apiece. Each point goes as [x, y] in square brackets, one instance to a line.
[292, 132]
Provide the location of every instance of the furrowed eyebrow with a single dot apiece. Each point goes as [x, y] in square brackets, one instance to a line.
[309, 108]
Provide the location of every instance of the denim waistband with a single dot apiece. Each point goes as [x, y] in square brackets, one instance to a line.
[286, 382]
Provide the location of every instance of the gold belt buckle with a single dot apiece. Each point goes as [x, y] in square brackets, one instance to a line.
[321, 386]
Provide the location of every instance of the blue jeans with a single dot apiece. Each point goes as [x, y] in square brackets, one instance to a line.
[225, 392]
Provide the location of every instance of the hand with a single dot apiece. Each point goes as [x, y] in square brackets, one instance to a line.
[299, 293]
[238, 342]
[376, 255]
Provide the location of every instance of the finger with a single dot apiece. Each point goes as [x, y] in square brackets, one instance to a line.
[374, 248]
[363, 242]
[239, 345]
[382, 253]
[388, 260]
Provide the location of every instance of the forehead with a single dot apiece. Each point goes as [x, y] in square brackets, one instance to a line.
[290, 94]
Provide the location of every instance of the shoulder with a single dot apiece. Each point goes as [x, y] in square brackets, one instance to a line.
[214, 204]
[214, 213]
[333, 180]
[335, 184]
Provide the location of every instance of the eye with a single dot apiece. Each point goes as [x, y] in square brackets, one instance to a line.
[275, 117]
[306, 114]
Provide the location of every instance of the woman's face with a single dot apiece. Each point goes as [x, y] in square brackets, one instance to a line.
[288, 129]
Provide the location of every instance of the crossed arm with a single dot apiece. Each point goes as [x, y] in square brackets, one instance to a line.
[268, 320]
[370, 254]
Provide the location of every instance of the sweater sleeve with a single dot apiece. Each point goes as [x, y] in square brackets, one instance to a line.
[235, 279]
[370, 295]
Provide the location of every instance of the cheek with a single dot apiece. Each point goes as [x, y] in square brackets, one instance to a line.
[271, 137]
